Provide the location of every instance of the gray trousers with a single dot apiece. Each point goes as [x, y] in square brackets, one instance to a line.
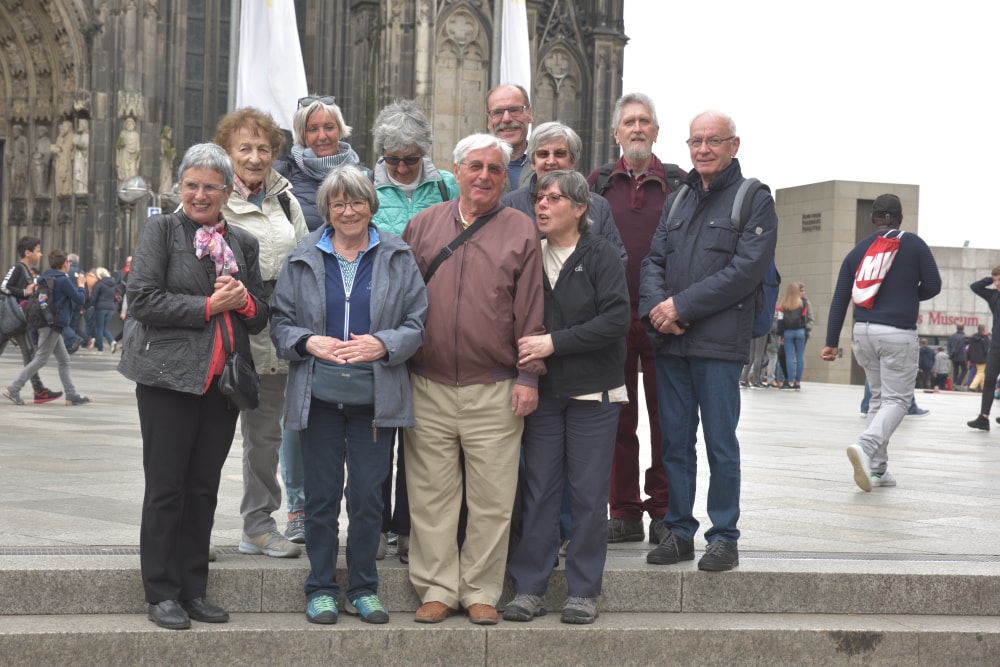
[758, 352]
[48, 344]
[261, 429]
[889, 357]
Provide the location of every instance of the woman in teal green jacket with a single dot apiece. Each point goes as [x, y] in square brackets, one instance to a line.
[406, 182]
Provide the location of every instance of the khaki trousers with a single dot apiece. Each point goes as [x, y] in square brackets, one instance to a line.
[477, 421]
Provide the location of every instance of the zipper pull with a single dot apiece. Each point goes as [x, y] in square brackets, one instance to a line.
[374, 432]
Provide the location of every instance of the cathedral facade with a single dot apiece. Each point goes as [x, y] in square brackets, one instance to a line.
[99, 99]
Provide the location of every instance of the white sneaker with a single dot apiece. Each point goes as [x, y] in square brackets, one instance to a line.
[885, 479]
[862, 466]
[271, 543]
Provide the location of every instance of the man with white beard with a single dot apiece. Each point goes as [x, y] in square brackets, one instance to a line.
[636, 186]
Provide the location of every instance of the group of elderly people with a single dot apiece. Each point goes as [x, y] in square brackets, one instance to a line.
[332, 277]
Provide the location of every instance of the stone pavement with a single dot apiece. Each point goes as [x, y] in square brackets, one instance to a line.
[71, 477]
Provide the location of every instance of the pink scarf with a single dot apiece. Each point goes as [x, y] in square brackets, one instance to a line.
[208, 240]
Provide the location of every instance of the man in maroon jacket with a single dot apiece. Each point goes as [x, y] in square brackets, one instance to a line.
[636, 186]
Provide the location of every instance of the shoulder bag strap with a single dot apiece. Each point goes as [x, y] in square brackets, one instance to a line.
[449, 249]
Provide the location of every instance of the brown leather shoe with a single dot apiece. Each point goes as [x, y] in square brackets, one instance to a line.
[482, 614]
[433, 612]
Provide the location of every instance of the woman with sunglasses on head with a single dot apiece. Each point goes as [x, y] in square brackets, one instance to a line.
[406, 182]
[320, 132]
[570, 437]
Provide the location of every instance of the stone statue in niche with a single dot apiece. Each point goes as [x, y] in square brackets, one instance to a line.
[17, 161]
[128, 151]
[41, 163]
[167, 154]
[63, 151]
[81, 149]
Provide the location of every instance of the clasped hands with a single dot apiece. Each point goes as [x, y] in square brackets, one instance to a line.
[365, 347]
[229, 294]
[664, 318]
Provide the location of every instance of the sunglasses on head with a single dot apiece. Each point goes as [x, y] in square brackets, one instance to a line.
[325, 99]
[409, 160]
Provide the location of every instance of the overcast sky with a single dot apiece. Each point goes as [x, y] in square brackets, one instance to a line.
[883, 90]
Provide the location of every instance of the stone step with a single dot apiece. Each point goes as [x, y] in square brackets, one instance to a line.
[704, 639]
[763, 583]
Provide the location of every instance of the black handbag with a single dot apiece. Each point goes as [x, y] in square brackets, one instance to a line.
[239, 381]
[12, 318]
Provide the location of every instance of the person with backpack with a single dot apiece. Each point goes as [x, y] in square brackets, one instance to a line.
[792, 332]
[258, 205]
[19, 282]
[701, 305]
[62, 300]
[636, 186]
[886, 276]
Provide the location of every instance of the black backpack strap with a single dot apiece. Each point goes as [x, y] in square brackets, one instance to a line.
[674, 176]
[286, 204]
[449, 249]
[682, 194]
[603, 178]
[443, 189]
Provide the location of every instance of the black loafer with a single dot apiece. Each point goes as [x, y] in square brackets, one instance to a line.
[170, 615]
[201, 610]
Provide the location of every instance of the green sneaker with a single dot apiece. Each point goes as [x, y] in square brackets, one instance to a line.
[369, 608]
[322, 609]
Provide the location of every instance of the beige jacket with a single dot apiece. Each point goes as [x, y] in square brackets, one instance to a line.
[276, 235]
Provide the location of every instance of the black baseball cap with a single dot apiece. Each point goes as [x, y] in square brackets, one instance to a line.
[887, 206]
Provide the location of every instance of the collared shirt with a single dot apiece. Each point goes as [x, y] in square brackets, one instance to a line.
[514, 168]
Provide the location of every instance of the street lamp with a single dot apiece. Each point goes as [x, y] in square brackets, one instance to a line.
[130, 191]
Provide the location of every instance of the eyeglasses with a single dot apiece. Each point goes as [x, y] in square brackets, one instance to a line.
[409, 160]
[552, 197]
[497, 114]
[713, 142]
[494, 169]
[325, 99]
[559, 154]
[208, 188]
[357, 205]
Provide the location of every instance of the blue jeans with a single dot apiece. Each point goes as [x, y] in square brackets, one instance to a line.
[290, 456]
[337, 433]
[684, 386]
[70, 336]
[866, 400]
[795, 353]
[101, 333]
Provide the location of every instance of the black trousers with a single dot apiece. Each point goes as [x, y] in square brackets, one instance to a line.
[185, 441]
[990, 379]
